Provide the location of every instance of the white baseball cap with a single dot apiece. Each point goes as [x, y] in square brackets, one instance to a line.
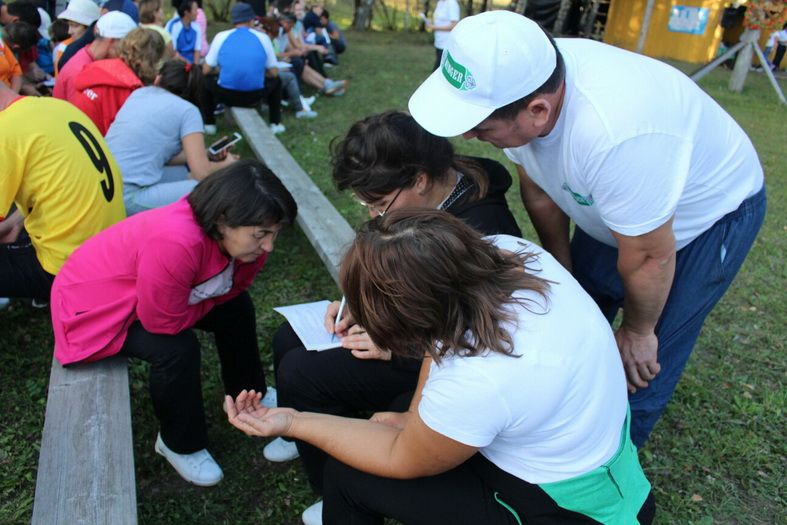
[114, 25]
[491, 60]
[83, 12]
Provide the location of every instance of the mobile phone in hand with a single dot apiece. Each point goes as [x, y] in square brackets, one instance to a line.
[218, 147]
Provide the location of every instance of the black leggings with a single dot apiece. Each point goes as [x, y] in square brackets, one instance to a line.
[468, 494]
[175, 369]
[334, 382]
[271, 93]
[21, 275]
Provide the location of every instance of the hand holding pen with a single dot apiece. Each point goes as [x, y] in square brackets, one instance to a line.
[340, 323]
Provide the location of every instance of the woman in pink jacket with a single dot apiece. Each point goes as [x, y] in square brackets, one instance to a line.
[137, 288]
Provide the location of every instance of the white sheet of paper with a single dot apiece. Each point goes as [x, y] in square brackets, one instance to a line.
[307, 321]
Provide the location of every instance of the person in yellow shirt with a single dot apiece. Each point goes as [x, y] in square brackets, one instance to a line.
[64, 182]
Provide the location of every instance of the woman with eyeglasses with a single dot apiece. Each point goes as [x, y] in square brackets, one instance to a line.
[521, 411]
[389, 162]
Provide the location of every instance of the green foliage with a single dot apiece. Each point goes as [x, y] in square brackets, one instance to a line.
[717, 455]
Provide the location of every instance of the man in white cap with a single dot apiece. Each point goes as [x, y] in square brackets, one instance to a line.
[110, 29]
[665, 189]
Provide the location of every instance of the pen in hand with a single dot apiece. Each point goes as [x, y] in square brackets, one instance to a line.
[338, 318]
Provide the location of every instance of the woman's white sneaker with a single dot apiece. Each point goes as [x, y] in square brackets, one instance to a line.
[313, 514]
[198, 468]
[280, 451]
[270, 399]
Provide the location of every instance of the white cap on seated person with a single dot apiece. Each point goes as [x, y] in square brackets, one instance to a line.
[83, 12]
[114, 25]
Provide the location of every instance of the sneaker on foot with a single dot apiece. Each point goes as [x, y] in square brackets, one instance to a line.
[219, 110]
[4, 301]
[210, 129]
[270, 399]
[313, 514]
[308, 101]
[198, 468]
[285, 103]
[306, 113]
[280, 451]
[332, 86]
[278, 128]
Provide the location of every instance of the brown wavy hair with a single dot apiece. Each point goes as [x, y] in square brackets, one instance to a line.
[142, 50]
[413, 278]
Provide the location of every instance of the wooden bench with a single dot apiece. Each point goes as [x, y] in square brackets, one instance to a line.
[86, 465]
[326, 229]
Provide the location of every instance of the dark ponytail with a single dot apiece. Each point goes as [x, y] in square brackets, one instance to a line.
[183, 80]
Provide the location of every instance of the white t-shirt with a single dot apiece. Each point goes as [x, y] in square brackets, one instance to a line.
[445, 12]
[636, 142]
[556, 411]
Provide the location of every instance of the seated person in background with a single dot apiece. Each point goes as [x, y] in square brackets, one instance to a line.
[65, 183]
[186, 34]
[44, 45]
[58, 33]
[287, 52]
[389, 162]
[10, 70]
[338, 43]
[80, 15]
[291, 89]
[104, 85]
[109, 30]
[158, 139]
[151, 16]
[202, 22]
[520, 415]
[246, 65]
[25, 42]
[138, 288]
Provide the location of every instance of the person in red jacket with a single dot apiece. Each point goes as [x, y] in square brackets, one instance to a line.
[104, 85]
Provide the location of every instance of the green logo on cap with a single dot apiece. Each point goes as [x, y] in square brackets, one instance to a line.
[456, 74]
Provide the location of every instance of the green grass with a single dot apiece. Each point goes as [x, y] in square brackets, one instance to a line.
[717, 455]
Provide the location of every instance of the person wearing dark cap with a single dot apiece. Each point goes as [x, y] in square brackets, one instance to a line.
[664, 187]
[246, 64]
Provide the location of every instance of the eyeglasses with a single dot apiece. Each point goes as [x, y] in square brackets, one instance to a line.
[375, 208]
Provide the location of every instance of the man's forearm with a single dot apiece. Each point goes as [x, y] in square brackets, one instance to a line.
[551, 226]
[646, 284]
[646, 265]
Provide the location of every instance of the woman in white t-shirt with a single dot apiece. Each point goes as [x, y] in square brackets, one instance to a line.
[157, 139]
[444, 18]
[520, 414]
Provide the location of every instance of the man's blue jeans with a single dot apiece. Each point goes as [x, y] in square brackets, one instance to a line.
[704, 270]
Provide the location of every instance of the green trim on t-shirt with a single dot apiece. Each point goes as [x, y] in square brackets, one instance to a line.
[612, 493]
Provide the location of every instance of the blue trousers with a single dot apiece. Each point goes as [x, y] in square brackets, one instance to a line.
[704, 269]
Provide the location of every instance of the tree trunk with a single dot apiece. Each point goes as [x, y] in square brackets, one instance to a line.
[521, 5]
[484, 6]
[560, 21]
[363, 15]
[743, 62]
[469, 8]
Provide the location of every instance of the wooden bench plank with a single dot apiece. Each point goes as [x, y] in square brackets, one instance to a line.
[326, 229]
[86, 465]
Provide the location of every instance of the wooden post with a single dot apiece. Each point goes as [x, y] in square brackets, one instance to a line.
[643, 34]
[560, 20]
[743, 62]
